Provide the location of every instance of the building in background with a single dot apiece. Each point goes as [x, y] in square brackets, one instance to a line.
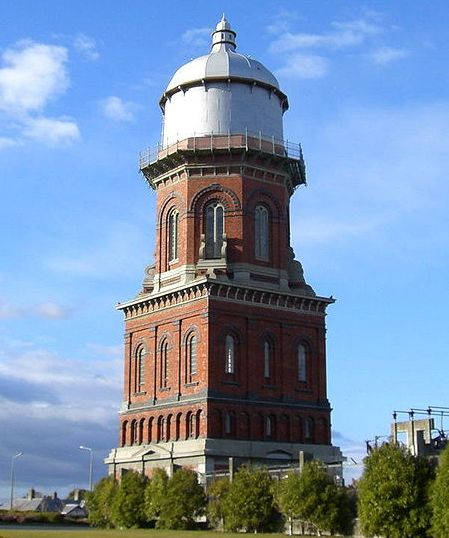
[225, 347]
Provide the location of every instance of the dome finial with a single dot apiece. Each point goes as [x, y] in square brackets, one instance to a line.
[223, 38]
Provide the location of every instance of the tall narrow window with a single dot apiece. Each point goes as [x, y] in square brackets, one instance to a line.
[140, 369]
[261, 232]
[229, 354]
[214, 229]
[267, 359]
[191, 356]
[164, 365]
[269, 426]
[173, 221]
[302, 363]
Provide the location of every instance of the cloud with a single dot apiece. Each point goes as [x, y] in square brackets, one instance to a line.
[47, 310]
[31, 76]
[386, 55]
[6, 142]
[50, 404]
[197, 36]
[291, 46]
[51, 131]
[282, 21]
[87, 46]
[303, 66]
[116, 109]
[346, 34]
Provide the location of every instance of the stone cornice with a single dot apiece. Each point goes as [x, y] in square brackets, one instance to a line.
[206, 288]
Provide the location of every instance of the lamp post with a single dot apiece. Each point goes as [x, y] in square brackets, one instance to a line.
[13, 459]
[91, 462]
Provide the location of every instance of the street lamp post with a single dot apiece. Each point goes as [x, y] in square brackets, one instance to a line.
[13, 459]
[91, 462]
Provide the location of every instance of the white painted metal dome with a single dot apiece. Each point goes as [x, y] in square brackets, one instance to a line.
[222, 92]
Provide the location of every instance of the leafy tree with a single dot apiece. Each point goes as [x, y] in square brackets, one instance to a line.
[99, 502]
[155, 492]
[440, 498]
[184, 500]
[217, 492]
[128, 505]
[312, 498]
[249, 503]
[393, 494]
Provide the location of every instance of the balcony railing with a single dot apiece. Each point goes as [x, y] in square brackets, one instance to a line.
[213, 142]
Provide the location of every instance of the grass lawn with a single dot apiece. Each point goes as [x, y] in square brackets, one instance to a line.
[138, 533]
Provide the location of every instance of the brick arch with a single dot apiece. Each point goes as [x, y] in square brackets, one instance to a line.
[174, 200]
[124, 433]
[264, 197]
[224, 195]
[150, 432]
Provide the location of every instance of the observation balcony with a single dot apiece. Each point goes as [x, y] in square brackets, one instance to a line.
[157, 160]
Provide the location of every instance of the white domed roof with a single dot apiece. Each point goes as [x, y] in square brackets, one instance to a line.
[222, 63]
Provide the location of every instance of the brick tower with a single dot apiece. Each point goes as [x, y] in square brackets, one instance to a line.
[225, 352]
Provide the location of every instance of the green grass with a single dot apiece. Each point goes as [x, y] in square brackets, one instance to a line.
[138, 533]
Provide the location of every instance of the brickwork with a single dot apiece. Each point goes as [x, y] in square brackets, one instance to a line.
[263, 398]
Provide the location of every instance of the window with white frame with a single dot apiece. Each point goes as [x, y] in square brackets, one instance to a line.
[261, 233]
[214, 229]
[173, 225]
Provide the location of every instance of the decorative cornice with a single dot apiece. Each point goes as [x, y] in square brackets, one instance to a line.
[143, 305]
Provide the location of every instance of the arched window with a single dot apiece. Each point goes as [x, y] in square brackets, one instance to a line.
[164, 365]
[261, 233]
[229, 423]
[229, 354]
[214, 229]
[173, 221]
[309, 430]
[267, 359]
[191, 357]
[302, 363]
[269, 426]
[140, 369]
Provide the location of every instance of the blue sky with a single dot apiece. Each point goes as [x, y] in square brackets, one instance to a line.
[368, 87]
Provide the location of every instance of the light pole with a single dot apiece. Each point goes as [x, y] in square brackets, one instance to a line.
[91, 463]
[13, 459]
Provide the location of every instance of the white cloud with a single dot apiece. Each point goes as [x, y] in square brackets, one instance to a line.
[52, 310]
[386, 55]
[346, 34]
[32, 74]
[197, 36]
[46, 310]
[282, 21]
[51, 131]
[303, 66]
[6, 142]
[87, 46]
[116, 109]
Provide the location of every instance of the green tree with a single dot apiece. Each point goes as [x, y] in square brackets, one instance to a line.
[249, 503]
[440, 498]
[99, 502]
[155, 492]
[312, 498]
[393, 494]
[128, 505]
[216, 493]
[184, 500]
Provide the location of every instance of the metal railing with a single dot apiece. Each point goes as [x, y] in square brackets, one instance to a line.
[210, 142]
